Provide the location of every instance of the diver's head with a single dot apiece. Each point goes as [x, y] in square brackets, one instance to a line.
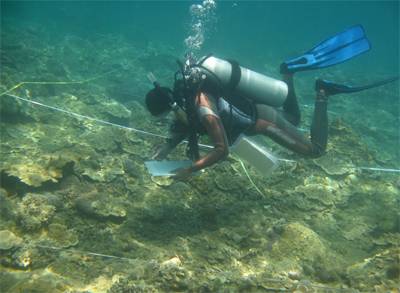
[159, 101]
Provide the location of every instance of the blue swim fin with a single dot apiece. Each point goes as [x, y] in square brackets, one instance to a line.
[334, 50]
[332, 88]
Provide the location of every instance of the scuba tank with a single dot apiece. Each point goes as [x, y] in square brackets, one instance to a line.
[243, 82]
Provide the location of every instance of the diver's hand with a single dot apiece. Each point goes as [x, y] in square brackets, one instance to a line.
[161, 153]
[182, 173]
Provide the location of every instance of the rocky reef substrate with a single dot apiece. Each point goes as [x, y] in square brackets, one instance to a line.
[79, 212]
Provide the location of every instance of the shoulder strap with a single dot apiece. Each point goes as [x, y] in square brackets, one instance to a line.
[235, 75]
[192, 150]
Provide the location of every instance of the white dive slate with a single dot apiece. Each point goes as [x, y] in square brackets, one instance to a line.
[165, 168]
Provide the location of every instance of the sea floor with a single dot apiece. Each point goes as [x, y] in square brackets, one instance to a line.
[80, 213]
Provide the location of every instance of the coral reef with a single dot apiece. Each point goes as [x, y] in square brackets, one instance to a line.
[60, 236]
[8, 240]
[382, 270]
[298, 241]
[332, 164]
[101, 206]
[80, 213]
[35, 211]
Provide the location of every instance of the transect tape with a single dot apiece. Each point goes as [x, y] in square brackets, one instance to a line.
[256, 151]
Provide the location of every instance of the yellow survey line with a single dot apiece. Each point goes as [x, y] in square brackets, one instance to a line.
[55, 82]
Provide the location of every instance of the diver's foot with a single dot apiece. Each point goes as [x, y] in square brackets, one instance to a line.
[330, 88]
[321, 96]
[322, 90]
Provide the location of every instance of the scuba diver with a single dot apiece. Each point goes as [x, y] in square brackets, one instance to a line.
[224, 100]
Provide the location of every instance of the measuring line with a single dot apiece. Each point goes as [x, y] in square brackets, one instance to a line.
[85, 252]
[380, 169]
[80, 116]
[251, 180]
[135, 260]
[57, 82]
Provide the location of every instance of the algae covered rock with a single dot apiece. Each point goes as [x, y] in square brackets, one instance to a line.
[357, 231]
[9, 240]
[29, 153]
[162, 180]
[387, 239]
[102, 139]
[35, 173]
[101, 206]
[60, 236]
[171, 263]
[23, 258]
[109, 210]
[298, 242]
[132, 168]
[116, 109]
[136, 145]
[333, 164]
[101, 168]
[35, 211]
[7, 211]
[173, 275]
[380, 272]
[318, 193]
[102, 284]
[45, 282]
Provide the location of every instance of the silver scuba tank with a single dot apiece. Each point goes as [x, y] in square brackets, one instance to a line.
[249, 84]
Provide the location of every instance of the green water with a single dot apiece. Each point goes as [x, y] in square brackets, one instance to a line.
[71, 189]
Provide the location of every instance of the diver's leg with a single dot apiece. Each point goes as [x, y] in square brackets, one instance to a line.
[319, 125]
[291, 109]
[273, 124]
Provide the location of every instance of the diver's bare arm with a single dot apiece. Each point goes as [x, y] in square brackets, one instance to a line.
[216, 132]
[164, 150]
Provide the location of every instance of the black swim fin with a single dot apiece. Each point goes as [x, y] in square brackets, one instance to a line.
[332, 88]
